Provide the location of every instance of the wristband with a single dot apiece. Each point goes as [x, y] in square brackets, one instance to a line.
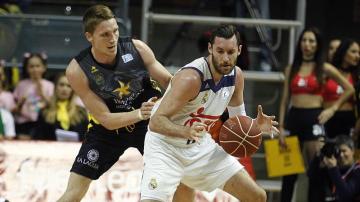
[236, 111]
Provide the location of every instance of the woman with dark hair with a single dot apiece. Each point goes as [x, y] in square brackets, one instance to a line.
[61, 114]
[333, 45]
[32, 94]
[346, 60]
[302, 99]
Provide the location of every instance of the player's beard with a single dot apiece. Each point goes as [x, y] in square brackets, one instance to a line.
[220, 68]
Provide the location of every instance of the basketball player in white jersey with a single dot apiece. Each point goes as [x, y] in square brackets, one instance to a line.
[177, 145]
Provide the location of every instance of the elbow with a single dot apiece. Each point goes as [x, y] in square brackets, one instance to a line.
[166, 82]
[108, 126]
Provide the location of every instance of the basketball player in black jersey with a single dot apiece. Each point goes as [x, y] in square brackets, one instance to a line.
[112, 77]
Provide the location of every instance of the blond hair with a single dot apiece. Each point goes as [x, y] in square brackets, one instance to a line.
[76, 113]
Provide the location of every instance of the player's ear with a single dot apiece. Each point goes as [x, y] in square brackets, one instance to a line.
[240, 46]
[210, 48]
[89, 36]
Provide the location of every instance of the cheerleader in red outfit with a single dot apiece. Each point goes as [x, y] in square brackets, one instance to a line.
[302, 99]
[346, 60]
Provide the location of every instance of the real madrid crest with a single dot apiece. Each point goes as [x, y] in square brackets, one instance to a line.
[205, 98]
[153, 184]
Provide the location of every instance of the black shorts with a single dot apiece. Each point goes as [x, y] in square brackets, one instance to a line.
[304, 123]
[340, 124]
[100, 151]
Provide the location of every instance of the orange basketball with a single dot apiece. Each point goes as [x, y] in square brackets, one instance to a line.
[239, 136]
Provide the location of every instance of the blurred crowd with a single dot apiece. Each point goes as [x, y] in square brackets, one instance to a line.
[37, 108]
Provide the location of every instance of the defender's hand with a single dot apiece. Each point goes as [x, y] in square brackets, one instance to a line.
[196, 131]
[266, 123]
[146, 107]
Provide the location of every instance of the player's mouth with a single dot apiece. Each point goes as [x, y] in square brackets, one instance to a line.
[227, 66]
[111, 47]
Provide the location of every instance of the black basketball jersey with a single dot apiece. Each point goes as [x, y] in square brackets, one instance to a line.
[123, 86]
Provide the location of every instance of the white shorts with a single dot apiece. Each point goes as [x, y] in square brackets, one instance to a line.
[168, 161]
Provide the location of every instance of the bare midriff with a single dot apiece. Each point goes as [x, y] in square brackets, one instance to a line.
[347, 106]
[306, 101]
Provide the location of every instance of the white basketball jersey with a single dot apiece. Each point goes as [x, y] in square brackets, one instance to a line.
[211, 101]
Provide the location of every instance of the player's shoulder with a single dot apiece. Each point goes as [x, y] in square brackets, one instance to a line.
[140, 45]
[238, 72]
[188, 75]
[144, 50]
[199, 62]
[73, 69]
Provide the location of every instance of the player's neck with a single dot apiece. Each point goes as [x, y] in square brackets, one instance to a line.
[103, 58]
[215, 75]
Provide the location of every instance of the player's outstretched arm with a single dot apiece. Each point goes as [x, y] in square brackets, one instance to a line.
[97, 107]
[156, 70]
[185, 86]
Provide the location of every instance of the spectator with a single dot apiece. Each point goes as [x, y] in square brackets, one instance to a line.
[333, 45]
[7, 125]
[334, 173]
[32, 94]
[6, 98]
[303, 81]
[319, 182]
[346, 60]
[61, 114]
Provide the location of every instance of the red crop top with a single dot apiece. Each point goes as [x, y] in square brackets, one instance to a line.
[305, 85]
[332, 90]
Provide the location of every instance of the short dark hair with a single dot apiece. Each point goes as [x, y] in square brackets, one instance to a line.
[95, 15]
[346, 140]
[226, 32]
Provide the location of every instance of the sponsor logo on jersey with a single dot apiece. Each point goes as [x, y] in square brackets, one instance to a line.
[123, 89]
[127, 58]
[93, 69]
[225, 94]
[92, 157]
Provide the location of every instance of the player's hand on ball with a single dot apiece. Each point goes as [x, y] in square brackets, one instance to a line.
[146, 107]
[266, 123]
[197, 130]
